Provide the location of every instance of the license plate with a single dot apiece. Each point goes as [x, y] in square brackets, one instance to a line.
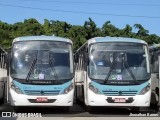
[120, 100]
[42, 99]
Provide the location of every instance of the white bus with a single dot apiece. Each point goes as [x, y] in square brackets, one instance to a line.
[113, 71]
[155, 72]
[41, 72]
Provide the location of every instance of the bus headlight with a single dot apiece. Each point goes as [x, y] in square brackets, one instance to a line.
[145, 89]
[94, 89]
[15, 88]
[68, 89]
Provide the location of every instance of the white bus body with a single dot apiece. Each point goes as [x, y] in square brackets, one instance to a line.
[113, 71]
[41, 71]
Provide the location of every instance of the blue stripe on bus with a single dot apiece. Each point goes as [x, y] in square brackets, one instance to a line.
[114, 89]
[49, 89]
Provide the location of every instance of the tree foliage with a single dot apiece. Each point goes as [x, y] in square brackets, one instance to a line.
[78, 34]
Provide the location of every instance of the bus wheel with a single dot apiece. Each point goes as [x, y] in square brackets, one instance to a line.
[153, 107]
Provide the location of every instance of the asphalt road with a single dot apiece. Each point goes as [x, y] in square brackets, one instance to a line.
[79, 111]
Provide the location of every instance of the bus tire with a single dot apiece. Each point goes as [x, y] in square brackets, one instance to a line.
[154, 107]
[153, 98]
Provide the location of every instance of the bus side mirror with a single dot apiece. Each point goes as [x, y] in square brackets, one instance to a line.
[76, 57]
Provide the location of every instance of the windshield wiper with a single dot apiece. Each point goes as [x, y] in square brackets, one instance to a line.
[126, 65]
[110, 71]
[130, 71]
[53, 69]
[31, 69]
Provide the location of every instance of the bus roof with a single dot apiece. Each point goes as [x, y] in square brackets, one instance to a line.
[116, 39]
[46, 38]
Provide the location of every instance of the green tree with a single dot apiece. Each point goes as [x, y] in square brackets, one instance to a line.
[32, 27]
[47, 27]
[152, 39]
[5, 30]
[110, 30]
[78, 35]
[59, 28]
[91, 29]
[141, 31]
[127, 31]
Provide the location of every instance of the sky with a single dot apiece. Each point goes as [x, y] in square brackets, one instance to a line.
[76, 12]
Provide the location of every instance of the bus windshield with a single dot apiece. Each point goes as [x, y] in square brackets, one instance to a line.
[42, 60]
[119, 62]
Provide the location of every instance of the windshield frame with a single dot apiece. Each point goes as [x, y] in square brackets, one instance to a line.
[122, 81]
[40, 81]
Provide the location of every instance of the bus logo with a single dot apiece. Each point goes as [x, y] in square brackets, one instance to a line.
[120, 92]
[42, 92]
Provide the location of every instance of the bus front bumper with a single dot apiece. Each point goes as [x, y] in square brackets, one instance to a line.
[30, 100]
[130, 101]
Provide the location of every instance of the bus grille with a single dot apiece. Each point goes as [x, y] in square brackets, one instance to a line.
[41, 92]
[120, 93]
